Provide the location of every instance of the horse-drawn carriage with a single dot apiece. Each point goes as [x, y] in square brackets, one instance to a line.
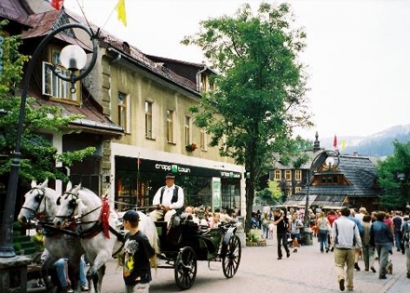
[185, 242]
[179, 247]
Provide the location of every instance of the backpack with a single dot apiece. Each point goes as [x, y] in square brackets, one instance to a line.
[406, 237]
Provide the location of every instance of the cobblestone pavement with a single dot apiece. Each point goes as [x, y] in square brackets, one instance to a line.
[306, 271]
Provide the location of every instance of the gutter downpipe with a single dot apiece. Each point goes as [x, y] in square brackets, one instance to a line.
[117, 59]
[198, 78]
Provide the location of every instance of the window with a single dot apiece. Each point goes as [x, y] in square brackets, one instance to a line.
[288, 175]
[289, 192]
[297, 189]
[278, 175]
[298, 175]
[148, 120]
[170, 126]
[203, 140]
[204, 83]
[54, 86]
[187, 130]
[329, 180]
[123, 111]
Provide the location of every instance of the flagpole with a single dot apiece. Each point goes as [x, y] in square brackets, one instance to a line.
[109, 16]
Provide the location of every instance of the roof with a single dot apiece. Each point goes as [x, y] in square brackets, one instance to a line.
[14, 10]
[306, 166]
[299, 200]
[41, 24]
[93, 120]
[359, 171]
[138, 56]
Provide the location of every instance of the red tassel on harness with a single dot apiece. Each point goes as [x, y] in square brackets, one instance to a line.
[105, 216]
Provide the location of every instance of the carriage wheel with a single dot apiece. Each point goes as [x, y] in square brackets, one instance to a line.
[185, 268]
[232, 258]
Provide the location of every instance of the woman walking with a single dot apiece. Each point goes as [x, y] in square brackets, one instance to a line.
[323, 230]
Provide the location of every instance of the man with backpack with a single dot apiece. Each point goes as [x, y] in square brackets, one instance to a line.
[167, 199]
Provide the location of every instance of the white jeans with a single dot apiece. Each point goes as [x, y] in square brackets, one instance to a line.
[139, 288]
[156, 215]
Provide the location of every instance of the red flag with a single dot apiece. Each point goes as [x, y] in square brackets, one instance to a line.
[335, 141]
[57, 4]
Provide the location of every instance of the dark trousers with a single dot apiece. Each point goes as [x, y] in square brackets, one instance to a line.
[282, 240]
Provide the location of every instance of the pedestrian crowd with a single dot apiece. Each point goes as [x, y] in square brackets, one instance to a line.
[357, 238]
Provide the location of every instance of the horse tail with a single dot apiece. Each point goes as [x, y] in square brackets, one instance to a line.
[148, 227]
[154, 261]
[152, 234]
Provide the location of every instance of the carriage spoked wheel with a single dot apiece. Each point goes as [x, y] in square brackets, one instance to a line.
[185, 268]
[232, 257]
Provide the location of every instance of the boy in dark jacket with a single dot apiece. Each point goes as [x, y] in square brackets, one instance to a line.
[137, 254]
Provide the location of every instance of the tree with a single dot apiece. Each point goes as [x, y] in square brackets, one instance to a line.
[394, 177]
[271, 193]
[39, 157]
[296, 152]
[259, 93]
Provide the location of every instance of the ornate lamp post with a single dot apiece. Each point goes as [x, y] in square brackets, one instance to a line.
[74, 59]
[331, 158]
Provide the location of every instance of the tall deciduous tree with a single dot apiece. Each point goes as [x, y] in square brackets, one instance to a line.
[259, 93]
[39, 157]
[394, 178]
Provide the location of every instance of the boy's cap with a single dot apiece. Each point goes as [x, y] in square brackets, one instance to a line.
[170, 175]
[131, 216]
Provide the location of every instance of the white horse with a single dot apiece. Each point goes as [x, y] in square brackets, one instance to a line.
[100, 236]
[40, 204]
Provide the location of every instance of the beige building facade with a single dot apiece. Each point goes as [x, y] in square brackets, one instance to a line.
[151, 103]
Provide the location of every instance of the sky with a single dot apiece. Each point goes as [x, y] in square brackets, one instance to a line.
[357, 55]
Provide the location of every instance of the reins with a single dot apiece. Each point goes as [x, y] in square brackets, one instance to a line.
[94, 229]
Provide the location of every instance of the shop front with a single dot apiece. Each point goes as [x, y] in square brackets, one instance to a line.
[137, 180]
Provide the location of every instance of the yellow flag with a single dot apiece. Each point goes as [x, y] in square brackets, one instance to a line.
[122, 15]
[343, 144]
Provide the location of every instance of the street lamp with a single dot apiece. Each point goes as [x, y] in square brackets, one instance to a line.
[74, 59]
[331, 159]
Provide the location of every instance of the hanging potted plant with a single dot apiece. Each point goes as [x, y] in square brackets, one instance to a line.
[191, 147]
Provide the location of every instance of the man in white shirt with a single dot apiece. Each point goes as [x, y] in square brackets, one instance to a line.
[346, 238]
[167, 199]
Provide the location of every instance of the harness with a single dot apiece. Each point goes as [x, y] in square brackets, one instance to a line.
[174, 195]
[39, 198]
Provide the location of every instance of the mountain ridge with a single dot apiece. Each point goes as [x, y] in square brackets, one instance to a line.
[379, 144]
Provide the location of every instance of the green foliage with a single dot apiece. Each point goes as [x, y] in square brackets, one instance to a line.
[12, 62]
[38, 156]
[273, 192]
[260, 91]
[394, 177]
[67, 158]
[274, 188]
[252, 235]
[295, 155]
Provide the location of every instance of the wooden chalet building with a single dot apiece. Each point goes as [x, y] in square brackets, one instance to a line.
[351, 181]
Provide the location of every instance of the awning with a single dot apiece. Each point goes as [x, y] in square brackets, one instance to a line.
[300, 201]
[333, 207]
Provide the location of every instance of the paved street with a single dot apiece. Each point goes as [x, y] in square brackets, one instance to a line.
[308, 270]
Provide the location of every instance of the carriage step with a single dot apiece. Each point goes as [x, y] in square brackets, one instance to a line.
[36, 290]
